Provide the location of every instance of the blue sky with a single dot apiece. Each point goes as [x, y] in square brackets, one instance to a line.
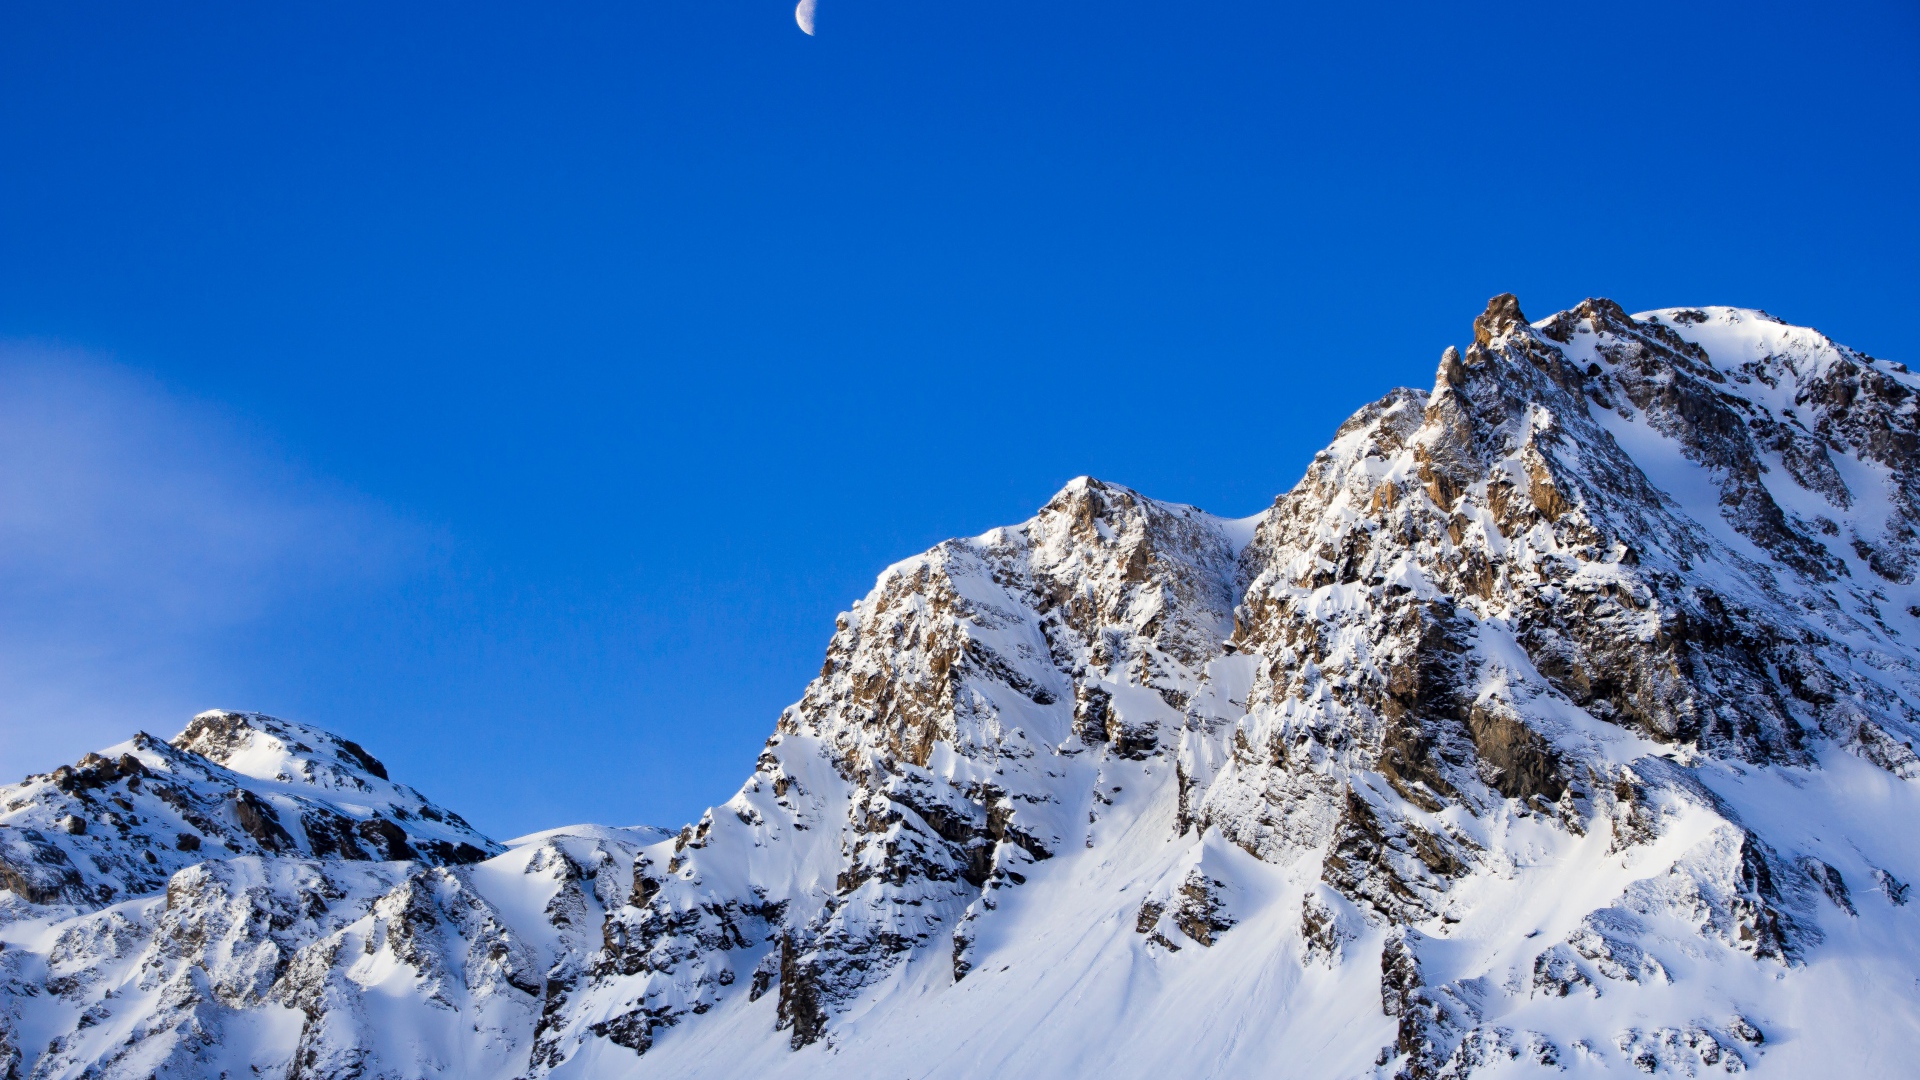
[522, 389]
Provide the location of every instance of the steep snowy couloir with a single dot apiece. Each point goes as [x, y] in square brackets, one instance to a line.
[1559, 720]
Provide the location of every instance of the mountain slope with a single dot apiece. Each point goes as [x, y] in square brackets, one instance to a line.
[1559, 720]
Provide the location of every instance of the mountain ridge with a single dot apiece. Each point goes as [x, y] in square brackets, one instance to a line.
[1559, 720]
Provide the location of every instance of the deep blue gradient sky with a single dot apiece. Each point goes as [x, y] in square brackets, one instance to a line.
[520, 389]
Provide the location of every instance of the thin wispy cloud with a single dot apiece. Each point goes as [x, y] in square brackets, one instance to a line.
[138, 529]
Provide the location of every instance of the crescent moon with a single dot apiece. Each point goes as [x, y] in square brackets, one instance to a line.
[803, 14]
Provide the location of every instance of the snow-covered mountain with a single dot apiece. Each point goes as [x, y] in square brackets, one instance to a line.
[1560, 719]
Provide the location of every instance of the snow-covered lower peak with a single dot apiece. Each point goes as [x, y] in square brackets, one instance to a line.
[122, 822]
[1560, 720]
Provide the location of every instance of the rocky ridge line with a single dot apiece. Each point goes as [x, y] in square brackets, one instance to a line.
[1560, 715]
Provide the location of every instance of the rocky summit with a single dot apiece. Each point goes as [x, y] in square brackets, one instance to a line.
[1560, 720]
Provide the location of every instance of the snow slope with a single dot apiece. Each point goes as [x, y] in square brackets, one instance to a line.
[1560, 720]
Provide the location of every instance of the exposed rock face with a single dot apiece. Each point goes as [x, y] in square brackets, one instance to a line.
[1560, 718]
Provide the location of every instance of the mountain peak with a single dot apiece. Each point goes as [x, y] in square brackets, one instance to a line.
[1562, 714]
[269, 748]
[120, 822]
[1501, 317]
